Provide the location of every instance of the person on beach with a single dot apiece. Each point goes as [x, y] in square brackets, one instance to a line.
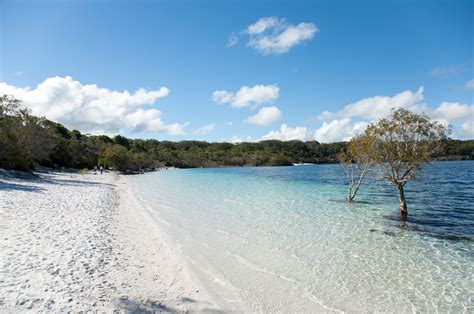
[101, 169]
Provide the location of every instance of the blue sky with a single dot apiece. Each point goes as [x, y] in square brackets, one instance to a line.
[356, 53]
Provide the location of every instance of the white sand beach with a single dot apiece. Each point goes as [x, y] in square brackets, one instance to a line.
[77, 242]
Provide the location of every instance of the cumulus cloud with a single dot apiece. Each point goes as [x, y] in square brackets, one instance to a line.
[452, 112]
[469, 85]
[380, 106]
[338, 130]
[287, 133]
[150, 120]
[265, 116]
[205, 129]
[237, 139]
[90, 108]
[246, 96]
[222, 97]
[342, 126]
[325, 115]
[273, 35]
[263, 24]
[467, 129]
[354, 118]
[334, 131]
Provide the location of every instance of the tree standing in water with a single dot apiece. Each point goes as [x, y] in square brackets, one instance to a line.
[402, 144]
[357, 161]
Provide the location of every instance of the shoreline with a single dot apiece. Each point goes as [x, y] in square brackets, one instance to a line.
[159, 257]
[85, 242]
[81, 242]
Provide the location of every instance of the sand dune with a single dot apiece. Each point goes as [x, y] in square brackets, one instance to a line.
[82, 242]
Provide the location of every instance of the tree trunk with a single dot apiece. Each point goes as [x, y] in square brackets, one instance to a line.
[403, 203]
[354, 187]
[350, 196]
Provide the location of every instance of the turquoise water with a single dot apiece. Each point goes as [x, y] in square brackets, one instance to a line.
[284, 239]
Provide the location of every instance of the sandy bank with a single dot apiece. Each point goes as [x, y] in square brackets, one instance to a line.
[82, 242]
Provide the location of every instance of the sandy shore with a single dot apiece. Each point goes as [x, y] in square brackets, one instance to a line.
[75, 242]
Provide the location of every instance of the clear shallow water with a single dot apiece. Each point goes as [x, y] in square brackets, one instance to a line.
[284, 239]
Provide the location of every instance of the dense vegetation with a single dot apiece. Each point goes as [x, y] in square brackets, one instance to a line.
[27, 141]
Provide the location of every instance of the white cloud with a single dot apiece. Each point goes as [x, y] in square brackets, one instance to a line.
[265, 116]
[205, 129]
[232, 41]
[449, 112]
[342, 127]
[338, 130]
[354, 118]
[262, 25]
[279, 44]
[89, 108]
[380, 106]
[150, 120]
[334, 131]
[273, 35]
[325, 115]
[222, 96]
[467, 129]
[247, 96]
[287, 133]
[237, 139]
[469, 85]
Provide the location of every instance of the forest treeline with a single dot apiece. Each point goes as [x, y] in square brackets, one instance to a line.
[27, 141]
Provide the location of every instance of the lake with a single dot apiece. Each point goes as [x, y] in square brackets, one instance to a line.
[284, 238]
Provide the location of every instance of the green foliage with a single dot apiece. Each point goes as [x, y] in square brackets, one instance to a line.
[403, 143]
[357, 160]
[120, 140]
[400, 145]
[456, 150]
[27, 141]
[116, 157]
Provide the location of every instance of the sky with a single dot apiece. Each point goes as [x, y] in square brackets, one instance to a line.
[238, 70]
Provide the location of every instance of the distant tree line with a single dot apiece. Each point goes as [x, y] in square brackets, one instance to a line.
[27, 141]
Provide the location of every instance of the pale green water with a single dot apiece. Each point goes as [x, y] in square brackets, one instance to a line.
[284, 239]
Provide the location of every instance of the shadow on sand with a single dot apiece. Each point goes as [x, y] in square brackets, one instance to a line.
[73, 182]
[19, 187]
[150, 306]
